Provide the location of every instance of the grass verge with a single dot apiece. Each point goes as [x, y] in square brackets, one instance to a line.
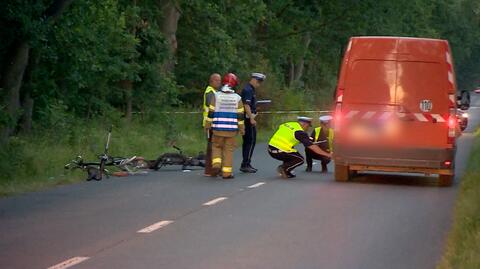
[463, 247]
[35, 162]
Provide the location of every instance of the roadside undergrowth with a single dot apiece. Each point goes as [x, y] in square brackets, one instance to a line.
[35, 162]
[463, 248]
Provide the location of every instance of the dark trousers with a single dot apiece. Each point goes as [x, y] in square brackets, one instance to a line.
[208, 156]
[312, 155]
[290, 159]
[249, 140]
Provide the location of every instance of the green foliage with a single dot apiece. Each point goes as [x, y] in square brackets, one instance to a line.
[463, 250]
[85, 59]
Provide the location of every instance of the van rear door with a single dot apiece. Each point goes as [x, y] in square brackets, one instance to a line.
[369, 96]
[422, 93]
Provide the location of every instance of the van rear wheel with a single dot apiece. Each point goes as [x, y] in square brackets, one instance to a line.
[445, 180]
[342, 172]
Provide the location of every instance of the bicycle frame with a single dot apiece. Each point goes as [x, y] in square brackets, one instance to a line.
[96, 170]
[104, 157]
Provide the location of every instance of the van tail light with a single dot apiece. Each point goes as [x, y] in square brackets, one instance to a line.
[338, 109]
[452, 124]
[339, 97]
[338, 116]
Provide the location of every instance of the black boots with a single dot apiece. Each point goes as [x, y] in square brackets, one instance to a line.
[248, 169]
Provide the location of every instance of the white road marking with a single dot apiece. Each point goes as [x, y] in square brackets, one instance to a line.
[69, 263]
[155, 226]
[216, 200]
[256, 185]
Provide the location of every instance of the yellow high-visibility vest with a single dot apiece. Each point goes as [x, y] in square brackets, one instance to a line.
[284, 138]
[208, 90]
[329, 138]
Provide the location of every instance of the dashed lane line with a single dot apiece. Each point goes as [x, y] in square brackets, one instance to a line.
[155, 226]
[76, 260]
[256, 185]
[69, 263]
[215, 201]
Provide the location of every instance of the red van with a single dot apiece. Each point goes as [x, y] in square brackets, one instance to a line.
[395, 108]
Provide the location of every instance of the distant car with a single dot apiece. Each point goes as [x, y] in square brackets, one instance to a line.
[462, 118]
[463, 100]
[477, 90]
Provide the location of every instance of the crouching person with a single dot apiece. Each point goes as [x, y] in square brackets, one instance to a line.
[282, 143]
[225, 119]
[323, 137]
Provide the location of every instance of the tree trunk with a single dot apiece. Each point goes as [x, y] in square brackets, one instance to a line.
[291, 72]
[171, 15]
[300, 65]
[127, 84]
[26, 98]
[15, 69]
[26, 121]
[11, 83]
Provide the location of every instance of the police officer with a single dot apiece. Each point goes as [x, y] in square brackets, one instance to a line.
[249, 138]
[225, 119]
[282, 143]
[214, 83]
[323, 137]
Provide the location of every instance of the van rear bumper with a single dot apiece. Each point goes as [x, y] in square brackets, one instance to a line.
[396, 160]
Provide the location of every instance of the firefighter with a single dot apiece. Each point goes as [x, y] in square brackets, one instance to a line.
[214, 83]
[225, 119]
[282, 143]
[323, 137]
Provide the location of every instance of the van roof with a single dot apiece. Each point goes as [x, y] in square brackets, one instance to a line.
[397, 48]
[396, 37]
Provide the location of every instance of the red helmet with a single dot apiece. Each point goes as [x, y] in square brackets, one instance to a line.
[230, 79]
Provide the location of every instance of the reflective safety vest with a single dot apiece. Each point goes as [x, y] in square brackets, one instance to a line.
[225, 115]
[329, 136]
[284, 138]
[208, 90]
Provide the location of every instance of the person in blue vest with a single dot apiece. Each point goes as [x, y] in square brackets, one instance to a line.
[323, 137]
[249, 99]
[226, 120]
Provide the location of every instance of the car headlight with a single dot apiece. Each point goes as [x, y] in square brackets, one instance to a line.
[465, 115]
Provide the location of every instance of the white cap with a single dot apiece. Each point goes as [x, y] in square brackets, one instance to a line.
[325, 118]
[305, 119]
[258, 76]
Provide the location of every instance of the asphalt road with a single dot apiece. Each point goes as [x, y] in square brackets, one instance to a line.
[252, 221]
